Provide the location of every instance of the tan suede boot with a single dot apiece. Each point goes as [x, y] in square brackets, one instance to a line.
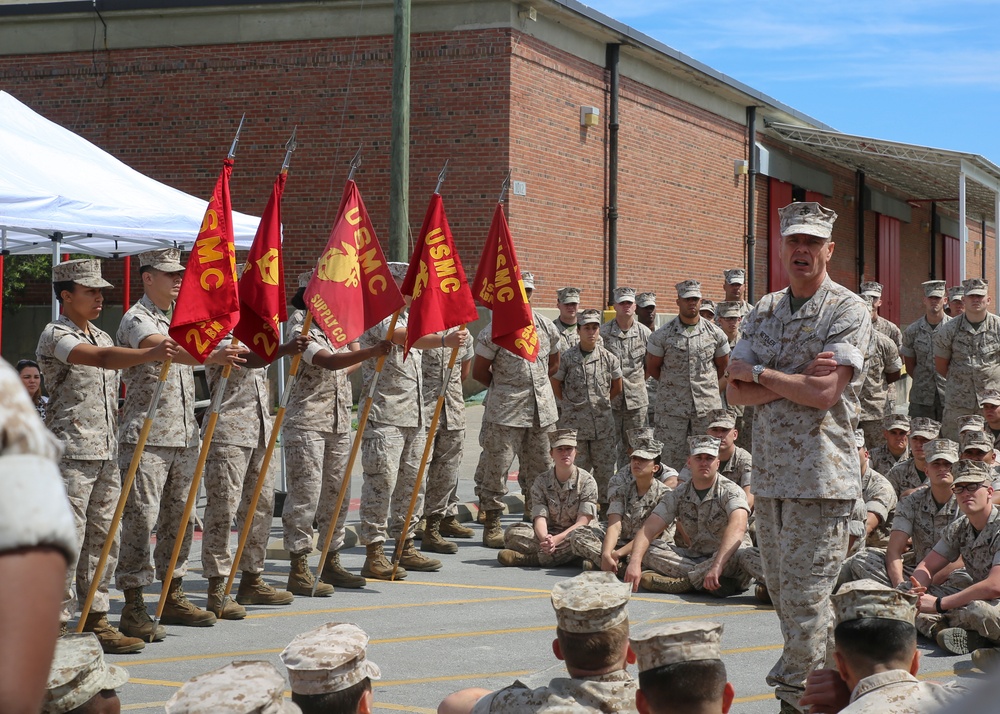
[511, 558]
[412, 559]
[113, 640]
[224, 608]
[451, 528]
[377, 566]
[492, 530]
[300, 578]
[181, 611]
[254, 591]
[335, 574]
[136, 622]
[433, 542]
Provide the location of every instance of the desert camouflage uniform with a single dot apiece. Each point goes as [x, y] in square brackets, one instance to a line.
[974, 367]
[631, 406]
[899, 692]
[234, 460]
[878, 497]
[520, 410]
[560, 504]
[83, 413]
[449, 442]
[703, 520]
[882, 360]
[928, 387]
[569, 333]
[889, 329]
[882, 460]
[689, 383]
[393, 442]
[738, 468]
[744, 414]
[623, 500]
[586, 407]
[612, 692]
[905, 476]
[316, 438]
[806, 473]
[163, 479]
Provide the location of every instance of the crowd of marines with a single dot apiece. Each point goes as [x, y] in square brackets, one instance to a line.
[733, 447]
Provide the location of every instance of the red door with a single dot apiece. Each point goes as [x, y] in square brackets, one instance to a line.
[887, 267]
[952, 260]
[780, 195]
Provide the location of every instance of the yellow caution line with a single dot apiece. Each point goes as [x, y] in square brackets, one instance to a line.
[394, 606]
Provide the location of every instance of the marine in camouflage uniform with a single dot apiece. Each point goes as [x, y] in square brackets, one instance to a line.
[730, 318]
[688, 356]
[328, 659]
[568, 302]
[645, 313]
[909, 474]
[734, 286]
[806, 470]
[872, 512]
[895, 436]
[736, 464]
[886, 327]
[968, 355]
[625, 337]
[928, 388]
[883, 369]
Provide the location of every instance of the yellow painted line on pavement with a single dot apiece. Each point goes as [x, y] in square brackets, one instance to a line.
[450, 678]
[394, 606]
[754, 698]
[758, 648]
[464, 586]
[404, 708]
[158, 706]
[704, 616]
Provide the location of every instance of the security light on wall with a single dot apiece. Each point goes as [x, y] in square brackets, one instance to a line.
[590, 116]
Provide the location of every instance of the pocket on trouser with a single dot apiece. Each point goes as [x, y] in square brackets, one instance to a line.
[831, 542]
[374, 454]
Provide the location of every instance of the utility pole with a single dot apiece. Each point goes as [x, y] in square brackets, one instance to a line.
[399, 169]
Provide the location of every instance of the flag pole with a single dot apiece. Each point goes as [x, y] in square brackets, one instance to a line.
[275, 427]
[362, 423]
[123, 496]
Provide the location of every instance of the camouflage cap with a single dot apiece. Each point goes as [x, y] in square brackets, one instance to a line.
[329, 658]
[528, 279]
[934, 288]
[730, 309]
[645, 299]
[896, 421]
[971, 422]
[589, 317]
[707, 306]
[166, 260]
[721, 419]
[84, 271]
[976, 286]
[624, 294]
[591, 602]
[78, 673]
[675, 642]
[807, 218]
[978, 440]
[305, 277]
[989, 396]
[397, 269]
[703, 444]
[927, 428]
[562, 437]
[568, 296]
[688, 289]
[859, 438]
[870, 287]
[941, 449]
[860, 599]
[869, 300]
[646, 447]
[735, 276]
[237, 688]
[967, 471]
[956, 293]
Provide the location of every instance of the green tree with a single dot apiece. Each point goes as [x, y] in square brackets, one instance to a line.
[18, 270]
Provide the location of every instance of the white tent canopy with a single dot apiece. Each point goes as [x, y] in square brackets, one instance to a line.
[61, 193]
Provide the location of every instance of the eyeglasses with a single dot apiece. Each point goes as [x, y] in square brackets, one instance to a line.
[967, 487]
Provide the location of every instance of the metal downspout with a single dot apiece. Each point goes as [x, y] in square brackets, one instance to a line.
[613, 54]
[751, 202]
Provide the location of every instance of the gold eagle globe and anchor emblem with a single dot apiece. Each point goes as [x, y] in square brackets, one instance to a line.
[340, 265]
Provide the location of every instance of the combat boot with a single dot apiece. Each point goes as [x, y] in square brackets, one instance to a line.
[959, 641]
[511, 558]
[112, 640]
[377, 566]
[986, 659]
[136, 622]
[451, 528]
[653, 582]
[254, 591]
[181, 611]
[418, 530]
[433, 542]
[492, 532]
[411, 558]
[300, 578]
[224, 608]
[335, 573]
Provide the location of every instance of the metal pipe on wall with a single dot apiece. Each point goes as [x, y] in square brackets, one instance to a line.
[613, 55]
[751, 200]
[860, 220]
[932, 274]
[982, 246]
[963, 237]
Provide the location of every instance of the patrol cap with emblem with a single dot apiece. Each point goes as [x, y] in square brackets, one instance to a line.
[688, 289]
[562, 437]
[676, 642]
[78, 673]
[304, 278]
[707, 306]
[807, 218]
[721, 419]
[703, 444]
[860, 599]
[645, 447]
[941, 449]
[927, 428]
[589, 317]
[528, 279]
[327, 659]
[956, 293]
[398, 270]
[934, 288]
[989, 396]
[859, 438]
[729, 309]
[971, 422]
[735, 276]
[978, 440]
[590, 602]
[568, 296]
[83, 271]
[976, 286]
[896, 421]
[872, 288]
[237, 688]
[645, 299]
[967, 471]
[624, 294]
[166, 260]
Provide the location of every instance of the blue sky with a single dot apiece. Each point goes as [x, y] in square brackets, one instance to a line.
[919, 71]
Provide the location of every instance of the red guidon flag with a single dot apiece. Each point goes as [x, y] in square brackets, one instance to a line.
[262, 287]
[441, 295]
[498, 286]
[352, 288]
[208, 307]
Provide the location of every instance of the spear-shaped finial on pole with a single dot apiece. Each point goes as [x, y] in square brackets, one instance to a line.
[505, 186]
[355, 164]
[289, 148]
[236, 139]
[441, 176]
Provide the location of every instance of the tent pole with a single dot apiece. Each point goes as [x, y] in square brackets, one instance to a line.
[3, 256]
[56, 240]
[126, 284]
[962, 232]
